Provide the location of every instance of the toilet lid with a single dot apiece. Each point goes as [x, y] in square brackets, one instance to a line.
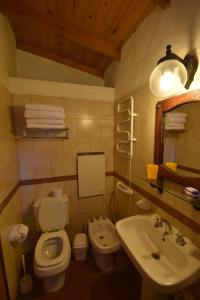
[52, 214]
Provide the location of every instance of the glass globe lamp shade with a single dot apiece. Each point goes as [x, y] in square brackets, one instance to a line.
[168, 78]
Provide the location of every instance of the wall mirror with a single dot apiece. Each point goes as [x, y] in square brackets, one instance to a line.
[177, 138]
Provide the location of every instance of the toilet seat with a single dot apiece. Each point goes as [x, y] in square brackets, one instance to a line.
[43, 261]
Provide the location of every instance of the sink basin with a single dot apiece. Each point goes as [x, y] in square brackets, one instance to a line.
[163, 264]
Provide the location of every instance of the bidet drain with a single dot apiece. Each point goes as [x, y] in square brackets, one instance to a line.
[101, 237]
[155, 255]
[105, 245]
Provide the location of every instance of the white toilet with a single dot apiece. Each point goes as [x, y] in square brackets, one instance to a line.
[53, 250]
[104, 242]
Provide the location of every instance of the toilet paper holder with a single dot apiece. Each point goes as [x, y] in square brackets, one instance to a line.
[18, 233]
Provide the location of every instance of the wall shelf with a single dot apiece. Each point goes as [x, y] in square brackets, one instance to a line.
[181, 195]
[21, 132]
[41, 134]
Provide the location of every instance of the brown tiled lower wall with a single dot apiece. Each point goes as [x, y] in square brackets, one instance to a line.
[170, 210]
[9, 197]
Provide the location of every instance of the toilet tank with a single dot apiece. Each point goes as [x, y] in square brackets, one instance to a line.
[51, 213]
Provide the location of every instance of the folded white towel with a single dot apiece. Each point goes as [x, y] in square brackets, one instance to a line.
[181, 127]
[33, 114]
[43, 107]
[174, 124]
[176, 119]
[176, 114]
[45, 121]
[45, 126]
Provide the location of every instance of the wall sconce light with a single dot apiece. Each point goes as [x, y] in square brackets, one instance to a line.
[172, 73]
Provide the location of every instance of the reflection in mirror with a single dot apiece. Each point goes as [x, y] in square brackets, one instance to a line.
[181, 139]
[177, 139]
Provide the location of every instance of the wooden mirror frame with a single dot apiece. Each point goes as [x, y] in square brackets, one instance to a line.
[161, 108]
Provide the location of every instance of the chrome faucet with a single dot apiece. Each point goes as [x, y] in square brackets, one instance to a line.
[168, 227]
[180, 239]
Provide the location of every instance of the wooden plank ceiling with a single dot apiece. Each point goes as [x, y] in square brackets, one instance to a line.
[84, 34]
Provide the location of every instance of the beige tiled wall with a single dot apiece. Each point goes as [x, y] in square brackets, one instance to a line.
[143, 154]
[80, 210]
[144, 126]
[129, 74]
[12, 215]
[91, 129]
[9, 177]
[8, 157]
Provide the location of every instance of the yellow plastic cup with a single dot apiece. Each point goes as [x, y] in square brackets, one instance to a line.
[171, 165]
[152, 171]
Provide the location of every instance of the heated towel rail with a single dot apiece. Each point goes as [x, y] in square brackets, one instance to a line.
[125, 110]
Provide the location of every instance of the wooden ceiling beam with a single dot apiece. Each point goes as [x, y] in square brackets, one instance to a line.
[58, 58]
[162, 3]
[77, 36]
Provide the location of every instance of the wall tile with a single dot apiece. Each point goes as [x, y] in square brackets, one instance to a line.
[30, 169]
[63, 167]
[103, 145]
[28, 194]
[27, 168]
[71, 124]
[43, 168]
[89, 128]
[142, 154]
[109, 162]
[45, 100]
[48, 149]
[106, 129]
[9, 176]
[70, 147]
[90, 204]
[11, 255]
[101, 110]
[20, 99]
[25, 150]
[76, 108]
[44, 189]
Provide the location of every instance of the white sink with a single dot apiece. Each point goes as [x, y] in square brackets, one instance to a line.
[175, 268]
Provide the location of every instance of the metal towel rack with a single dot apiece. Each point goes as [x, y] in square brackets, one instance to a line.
[128, 113]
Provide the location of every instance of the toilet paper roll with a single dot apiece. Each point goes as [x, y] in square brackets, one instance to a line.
[57, 192]
[18, 233]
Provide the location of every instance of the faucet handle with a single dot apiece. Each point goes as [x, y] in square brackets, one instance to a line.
[180, 239]
[158, 222]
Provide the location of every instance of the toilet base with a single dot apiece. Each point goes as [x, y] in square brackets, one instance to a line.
[105, 262]
[54, 283]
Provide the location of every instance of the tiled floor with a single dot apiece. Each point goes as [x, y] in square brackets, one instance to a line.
[85, 282]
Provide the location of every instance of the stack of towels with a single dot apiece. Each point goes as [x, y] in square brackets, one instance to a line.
[44, 116]
[175, 121]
